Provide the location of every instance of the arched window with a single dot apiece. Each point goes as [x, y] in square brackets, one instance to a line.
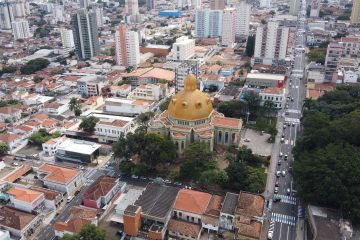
[233, 138]
[226, 137]
[182, 145]
[177, 145]
[220, 136]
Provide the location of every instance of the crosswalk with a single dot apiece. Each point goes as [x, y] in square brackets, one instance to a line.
[286, 199]
[301, 212]
[282, 218]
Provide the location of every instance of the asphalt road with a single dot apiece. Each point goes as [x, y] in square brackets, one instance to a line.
[286, 212]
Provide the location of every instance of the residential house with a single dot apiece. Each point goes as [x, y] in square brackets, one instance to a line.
[111, 130]
[10, 114]
[227, 213]
[50, 147]
[210, 218]
[12, 140]
[120, 91]
[91, 85]
[249, 216]
[53, 199]
[61, 179]
[25, 199]
[56, 108]
[20, 224]
[101, 192]
[79, 216]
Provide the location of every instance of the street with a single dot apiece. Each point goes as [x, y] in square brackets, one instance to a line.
[284, 210]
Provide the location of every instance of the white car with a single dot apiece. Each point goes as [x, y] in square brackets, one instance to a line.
[283, 173]
[15, 164]
[277, 173]
[280, 154]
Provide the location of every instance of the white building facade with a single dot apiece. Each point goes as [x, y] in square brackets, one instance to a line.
[127, 47]
[20, 29]
[67, 38]
[243, 12]
[228, 27]
[183, 49]
[208, 23]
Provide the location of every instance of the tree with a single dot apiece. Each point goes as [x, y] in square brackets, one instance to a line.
[74, 105]
[233, 108]
[37, 79]
[250, 46]
[3, 148]
[143, 118]
[88, 124]
[42, 136]
[269, 106]
[77, 112]
[34, 65]
[88, 232]
[164, 105]
[157, 149]
[214, 176]
[317, 55]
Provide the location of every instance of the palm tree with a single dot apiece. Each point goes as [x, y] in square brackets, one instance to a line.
[268, 106]
[74, 105]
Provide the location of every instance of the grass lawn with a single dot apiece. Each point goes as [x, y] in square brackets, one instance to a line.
[264, 124]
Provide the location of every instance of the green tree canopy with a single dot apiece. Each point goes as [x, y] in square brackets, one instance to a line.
[88, 124]
[42, 136]
[3, 148]
[250, 46]
[88, 232]
[34, 65]
[164, 105]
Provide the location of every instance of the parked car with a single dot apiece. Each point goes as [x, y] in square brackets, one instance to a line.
[285, 157]
[276, 190]
[282, 139]
[277, 183]
[277, 199]
[288, 191]
[278, 173]
[280, 154]
[15, 164]
[283, 173]
[279, 162]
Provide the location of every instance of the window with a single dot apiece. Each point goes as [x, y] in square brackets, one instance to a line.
[192, 219]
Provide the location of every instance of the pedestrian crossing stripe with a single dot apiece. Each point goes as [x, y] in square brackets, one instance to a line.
[282, 218]
[286, 199]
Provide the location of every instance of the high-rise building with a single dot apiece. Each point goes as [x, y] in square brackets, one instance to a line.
[20, 9]
[228, 27]
[333, 55]
[182, 49]
[294, 7]
[265, 3]
[195, 4]
[58, 13]
[84, 3]
[271, 43]
[183, 70]
[67, 38]
[150, 5]
[217, 4]
[86, 35]
[208, 23]
[355, 12]
[243, 12]
[315, 8]
[131, 7]
[127, 47]
[99, 16]
[6, 15]
[20, 29]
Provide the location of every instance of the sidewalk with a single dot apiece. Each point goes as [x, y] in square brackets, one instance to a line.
[300, 230]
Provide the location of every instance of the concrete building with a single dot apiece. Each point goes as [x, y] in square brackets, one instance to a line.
[196, 4]
[227, 213]
[67, 38]
[86, 35]
[58, 14]
[99, 16]
[6, 15]
[120, 91]
[127, 47]
[355, 12]
[228, 27]
[243, 12]
[91, 85]
[149, 92]
[101, 192]
[333, 55]
[50, 147]
[264, 80]
[183, 49]
[112, 128]
[315, 8]
[273, 94]
[20, 29]
[351, 47]
[84, 3]
[217, 4]
[126, 107]
[208, 23]
[25, 199]
[271, 43]
[265, 3]
[294, 7]
[62, 179]
[131, 7]
[150, 4]
[77, 151]
[183, 70]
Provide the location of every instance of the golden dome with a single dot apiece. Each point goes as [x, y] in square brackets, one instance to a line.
[190, 103]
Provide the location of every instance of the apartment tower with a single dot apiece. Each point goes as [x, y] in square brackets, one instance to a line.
[127, 47]
[86, 35]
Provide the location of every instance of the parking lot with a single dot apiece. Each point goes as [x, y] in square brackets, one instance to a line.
[256, 141]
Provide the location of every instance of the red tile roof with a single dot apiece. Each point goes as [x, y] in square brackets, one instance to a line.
[192, 201]
[228, 122]
[100, 187]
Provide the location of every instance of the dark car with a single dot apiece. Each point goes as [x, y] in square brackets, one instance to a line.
[119, 233]
[277, 199]
[77, 192]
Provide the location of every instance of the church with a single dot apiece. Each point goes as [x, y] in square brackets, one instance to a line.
[190, 117]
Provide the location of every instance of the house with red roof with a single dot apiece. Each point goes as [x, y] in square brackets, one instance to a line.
[101, 192]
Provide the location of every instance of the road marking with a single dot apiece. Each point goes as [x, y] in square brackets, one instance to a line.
[286, 199]
[280, 230]
[282, 218]
[287, 235]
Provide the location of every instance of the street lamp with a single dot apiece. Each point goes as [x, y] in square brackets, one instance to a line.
[247, 117]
